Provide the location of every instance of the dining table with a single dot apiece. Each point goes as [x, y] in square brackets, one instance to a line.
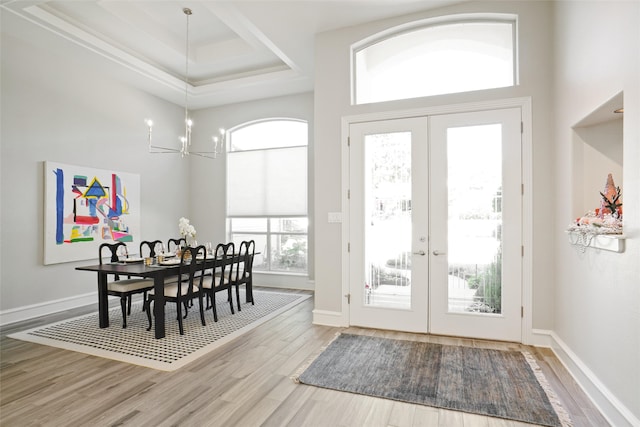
[158, 272]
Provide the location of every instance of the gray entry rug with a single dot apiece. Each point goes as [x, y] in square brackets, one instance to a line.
[504, 384]
[138, 346]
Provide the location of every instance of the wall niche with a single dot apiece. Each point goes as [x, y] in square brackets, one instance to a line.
[597, 152]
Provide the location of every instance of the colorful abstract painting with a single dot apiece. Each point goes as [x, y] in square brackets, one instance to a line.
[85, 207]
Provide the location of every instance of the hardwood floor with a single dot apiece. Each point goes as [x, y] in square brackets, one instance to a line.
[244, 383]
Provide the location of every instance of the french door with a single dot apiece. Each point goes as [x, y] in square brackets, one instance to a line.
[435, 224]
[389, 183]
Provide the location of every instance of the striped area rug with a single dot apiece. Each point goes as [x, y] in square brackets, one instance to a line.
[138, 346]
[496, 383]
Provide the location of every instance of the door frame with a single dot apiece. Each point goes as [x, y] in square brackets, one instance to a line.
[524, 104]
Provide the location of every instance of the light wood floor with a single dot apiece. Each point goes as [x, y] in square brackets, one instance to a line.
[244, 383]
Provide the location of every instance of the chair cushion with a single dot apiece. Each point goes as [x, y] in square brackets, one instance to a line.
[171, 290]
[171, 279]
[208, 280]
[129, 285]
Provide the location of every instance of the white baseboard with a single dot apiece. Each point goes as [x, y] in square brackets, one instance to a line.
[616, 413]
[541, 338]
[329, 318]
[36, 310]
[288, 281]
[28, 312]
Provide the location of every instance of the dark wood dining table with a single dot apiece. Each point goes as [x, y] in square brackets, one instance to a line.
[136, 269]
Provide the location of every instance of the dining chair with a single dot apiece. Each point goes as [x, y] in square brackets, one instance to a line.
[149, 248]
[172, 245]
[244, 270]
[124, 289]
[181, 242]
[221, 279]
[153, 247]
[182, 292]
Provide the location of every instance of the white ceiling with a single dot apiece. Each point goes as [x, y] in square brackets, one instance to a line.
[239, 50]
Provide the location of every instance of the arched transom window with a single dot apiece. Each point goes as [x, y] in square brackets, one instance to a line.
[435, 59]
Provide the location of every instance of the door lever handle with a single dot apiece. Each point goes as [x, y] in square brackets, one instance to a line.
[437, 252]
[421, 252]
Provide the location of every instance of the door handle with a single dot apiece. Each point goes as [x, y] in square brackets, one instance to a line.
[437, 252]
[421, 252]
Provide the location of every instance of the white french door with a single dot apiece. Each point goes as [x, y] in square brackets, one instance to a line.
[388, 180]
[435, 224]
[476, 234]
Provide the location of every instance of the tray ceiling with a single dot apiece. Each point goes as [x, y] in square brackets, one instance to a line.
[239, 50]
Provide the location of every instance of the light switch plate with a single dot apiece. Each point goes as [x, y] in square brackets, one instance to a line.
[335, 216]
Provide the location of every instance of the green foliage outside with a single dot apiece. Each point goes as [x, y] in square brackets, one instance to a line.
[489, 285]
[292, 256]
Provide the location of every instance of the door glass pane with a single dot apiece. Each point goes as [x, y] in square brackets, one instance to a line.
[387, 218]
[474, 181]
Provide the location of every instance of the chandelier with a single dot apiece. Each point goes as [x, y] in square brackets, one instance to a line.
[185, 140]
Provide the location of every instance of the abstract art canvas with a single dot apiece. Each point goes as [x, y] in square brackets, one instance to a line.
[85, 207]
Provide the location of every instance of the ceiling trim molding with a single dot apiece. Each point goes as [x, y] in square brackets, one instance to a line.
[204, 93]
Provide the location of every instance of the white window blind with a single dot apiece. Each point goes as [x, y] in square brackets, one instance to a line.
[268, 182]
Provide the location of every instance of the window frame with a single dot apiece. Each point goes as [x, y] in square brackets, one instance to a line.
[269, 233]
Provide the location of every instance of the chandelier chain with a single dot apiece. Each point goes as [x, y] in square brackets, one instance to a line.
[187, 12]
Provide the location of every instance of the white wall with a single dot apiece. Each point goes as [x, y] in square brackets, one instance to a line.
[209, 207]
[332, 102]
[65, 109]
[597, 293]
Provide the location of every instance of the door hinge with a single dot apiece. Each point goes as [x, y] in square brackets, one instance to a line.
[521, 127]
[348, 141]
[522, 250]
[348, 194]
[348, 297]
[522, 311]
[522, 189]
[348, 247]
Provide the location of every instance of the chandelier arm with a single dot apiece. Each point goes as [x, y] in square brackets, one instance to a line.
[204, 154]
[167, 150]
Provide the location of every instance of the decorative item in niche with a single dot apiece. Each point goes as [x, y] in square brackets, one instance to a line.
[605, 220]
[85, 207]
[610, 199]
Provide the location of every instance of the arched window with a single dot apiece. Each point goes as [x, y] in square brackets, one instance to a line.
[435, 58]
[267, 192]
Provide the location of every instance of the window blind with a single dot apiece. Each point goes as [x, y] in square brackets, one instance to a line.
[269, 182]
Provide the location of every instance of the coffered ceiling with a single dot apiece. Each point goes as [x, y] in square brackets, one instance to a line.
[238, 50]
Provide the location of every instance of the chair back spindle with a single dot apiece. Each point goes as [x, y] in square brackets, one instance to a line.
[222, 277]
[244, 269]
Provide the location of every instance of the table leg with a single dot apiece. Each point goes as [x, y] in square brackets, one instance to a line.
[103, 301]
[158, 305]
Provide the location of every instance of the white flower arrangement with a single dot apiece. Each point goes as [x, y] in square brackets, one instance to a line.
[187, 230]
